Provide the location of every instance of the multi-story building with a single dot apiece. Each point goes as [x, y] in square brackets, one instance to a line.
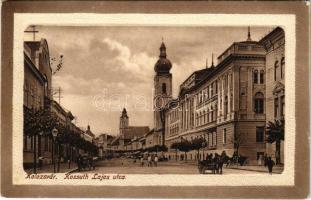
[223, 104]
[37, 93]
[274, 43]
[104, 145]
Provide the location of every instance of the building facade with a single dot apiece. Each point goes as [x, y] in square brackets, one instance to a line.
[37, 93]
[223, 104]
[274, 44]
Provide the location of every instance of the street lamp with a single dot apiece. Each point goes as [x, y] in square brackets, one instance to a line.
[54, 134]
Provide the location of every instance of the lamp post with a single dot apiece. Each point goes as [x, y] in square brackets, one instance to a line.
[54, 134]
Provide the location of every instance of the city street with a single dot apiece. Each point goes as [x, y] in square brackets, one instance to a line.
[128, 166]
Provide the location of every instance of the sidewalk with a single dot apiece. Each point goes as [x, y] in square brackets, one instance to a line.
[50, 168]
[255, 168]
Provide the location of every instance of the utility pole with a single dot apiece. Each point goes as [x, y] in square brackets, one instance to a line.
[57, 94]
[33, 31]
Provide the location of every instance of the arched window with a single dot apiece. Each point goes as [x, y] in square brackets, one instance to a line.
[163, 88]
[207, 113]
[261, 76]
[259, 103]
[276, 66]
[282, 67]
[197, 119]
[204, 117]
[212, 114]
[255, 77]
[226, 106]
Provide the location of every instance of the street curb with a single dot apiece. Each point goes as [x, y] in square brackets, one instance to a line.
[71, 171]
[254, 170]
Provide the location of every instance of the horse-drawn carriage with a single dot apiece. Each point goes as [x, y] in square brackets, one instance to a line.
[205, 165]
[215, 164]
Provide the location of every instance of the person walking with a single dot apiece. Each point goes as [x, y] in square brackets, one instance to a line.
[142, 161]
[270, 164]
[265, 160]
[156, 161]
[149, 160]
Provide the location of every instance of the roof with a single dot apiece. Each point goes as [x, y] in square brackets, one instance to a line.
[90, 133]
[274, 31]
[135, 131]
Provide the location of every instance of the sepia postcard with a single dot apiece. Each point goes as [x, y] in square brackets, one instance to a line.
[155, 99]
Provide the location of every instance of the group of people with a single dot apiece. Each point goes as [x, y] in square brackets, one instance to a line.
[85, 162]
[152, 160]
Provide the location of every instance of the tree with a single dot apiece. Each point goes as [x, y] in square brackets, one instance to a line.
[275, 133]
[238, 140]
[175, 146]
[184, 146]
[197, 144]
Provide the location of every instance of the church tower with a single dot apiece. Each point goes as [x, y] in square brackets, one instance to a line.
[124, 122]
[162, 90]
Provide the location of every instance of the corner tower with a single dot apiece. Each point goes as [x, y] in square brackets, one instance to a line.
[162, 90]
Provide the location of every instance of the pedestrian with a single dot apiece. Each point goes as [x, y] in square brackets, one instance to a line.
[69, 163]
[156, 160]
[222, 160]
[142, 161]
[149, 160]
[265, 160]
[270, 164]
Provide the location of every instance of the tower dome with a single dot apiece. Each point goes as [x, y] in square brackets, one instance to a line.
[163, 65]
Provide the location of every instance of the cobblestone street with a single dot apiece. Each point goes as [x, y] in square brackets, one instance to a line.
[128, 166]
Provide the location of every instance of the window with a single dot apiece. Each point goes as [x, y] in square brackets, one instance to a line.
[207, 115]
[224, 138]
[276, 66]
[282, 106]
[282, 67]
[212, 111]
[276, 107]
[226, 105]
[164, 88]
[212, 90]
[260, 134]
[216, 88]
[255, 78]
[259, 101]
[261, 76]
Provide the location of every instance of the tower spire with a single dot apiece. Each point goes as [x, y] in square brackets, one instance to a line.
[249, 34]
[206, 63]
[212, 60]
[162, 50]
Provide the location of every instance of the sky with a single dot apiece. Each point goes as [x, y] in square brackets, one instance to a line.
[108, 68]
